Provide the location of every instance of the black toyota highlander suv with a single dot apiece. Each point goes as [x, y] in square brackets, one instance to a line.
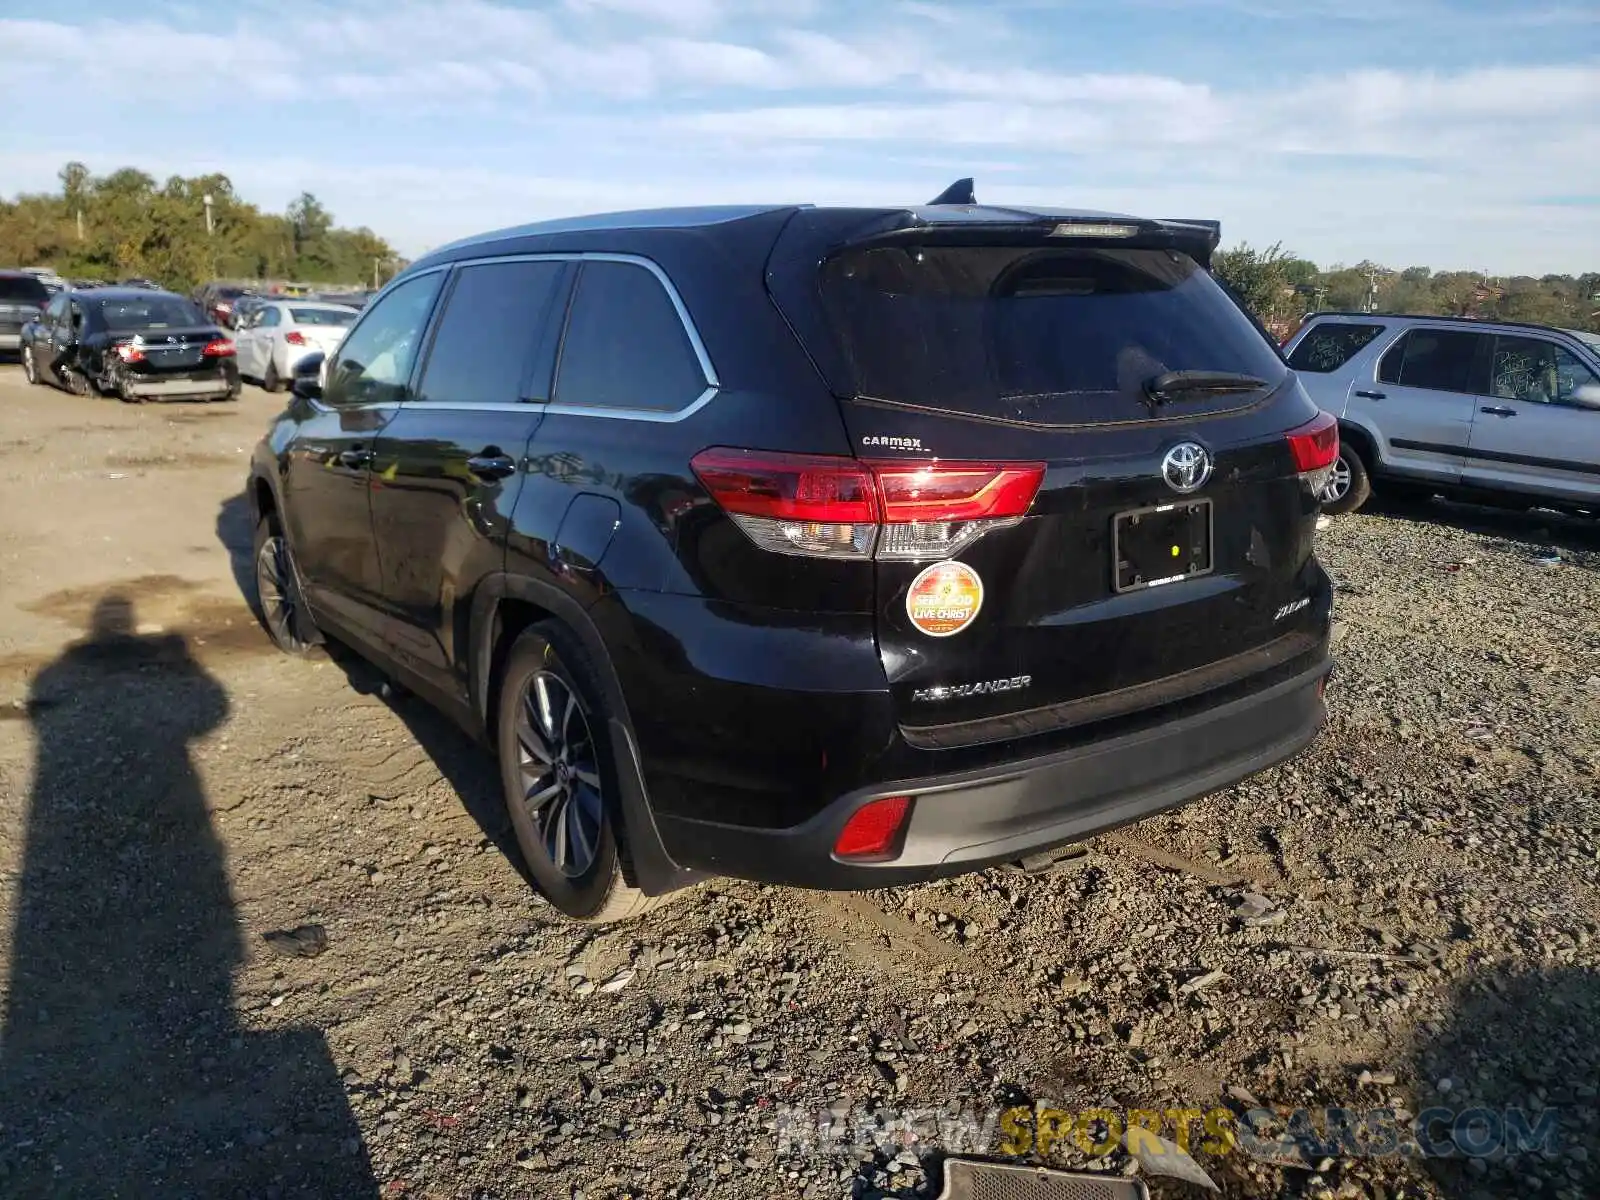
[838, 548]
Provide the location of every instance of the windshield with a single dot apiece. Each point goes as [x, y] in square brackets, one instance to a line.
[1055, 335]
[321, 316]
[24, 288]
[156, 312]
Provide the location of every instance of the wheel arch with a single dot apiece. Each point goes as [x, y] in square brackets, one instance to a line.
[502, 607]
[1362, 441]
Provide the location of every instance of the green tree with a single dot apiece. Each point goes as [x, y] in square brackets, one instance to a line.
[133, 225]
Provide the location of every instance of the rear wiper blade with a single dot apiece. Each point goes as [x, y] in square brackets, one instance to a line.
[1183, 385]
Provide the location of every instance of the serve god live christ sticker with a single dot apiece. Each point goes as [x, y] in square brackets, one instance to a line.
[944, 598]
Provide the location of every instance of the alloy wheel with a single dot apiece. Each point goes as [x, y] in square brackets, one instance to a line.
[1338, 482]
[559, 773]
[275, 589]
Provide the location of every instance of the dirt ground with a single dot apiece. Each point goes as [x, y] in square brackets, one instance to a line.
[1405, 918]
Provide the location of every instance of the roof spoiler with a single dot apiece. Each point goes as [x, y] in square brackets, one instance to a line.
[1201, 237]
[959, 192]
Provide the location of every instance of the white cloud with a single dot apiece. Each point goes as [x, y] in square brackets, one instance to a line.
[593, 104]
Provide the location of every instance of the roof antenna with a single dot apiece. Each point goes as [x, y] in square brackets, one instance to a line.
[959, 192]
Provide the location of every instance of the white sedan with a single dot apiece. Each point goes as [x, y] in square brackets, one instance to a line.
[278, 334]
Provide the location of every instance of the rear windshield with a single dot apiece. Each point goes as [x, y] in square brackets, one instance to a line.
[321, 316]
[1328, 346]
[158, 312]
[25, 288]
[1053, 336]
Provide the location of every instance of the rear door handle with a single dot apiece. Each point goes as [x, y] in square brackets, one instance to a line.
[355, 458]
[492, 464]
[1374, 395]
[1497, 410]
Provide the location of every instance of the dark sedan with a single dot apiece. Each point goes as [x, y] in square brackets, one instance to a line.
[22, 298]
[133, 343]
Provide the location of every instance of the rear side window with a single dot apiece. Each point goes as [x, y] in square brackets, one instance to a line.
[491, 327]
[1437, 359]
[1054, 336]
[1536, 371]
[625, 345]
[1328, 346]
[23, 288]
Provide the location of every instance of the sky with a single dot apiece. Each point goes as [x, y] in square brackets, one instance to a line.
[1446, 133]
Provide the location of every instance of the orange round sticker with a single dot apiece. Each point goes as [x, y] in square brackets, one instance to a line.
[944, 598]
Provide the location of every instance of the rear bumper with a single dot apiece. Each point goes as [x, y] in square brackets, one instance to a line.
[10, 339]
[964, 821]
[177, 389]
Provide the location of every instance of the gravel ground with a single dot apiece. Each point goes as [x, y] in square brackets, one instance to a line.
[1405, 917]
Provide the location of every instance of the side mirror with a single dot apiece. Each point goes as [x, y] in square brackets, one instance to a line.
[1587, 395]
[307, 382]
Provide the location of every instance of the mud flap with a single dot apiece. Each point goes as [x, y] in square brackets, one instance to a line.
[976, 1179]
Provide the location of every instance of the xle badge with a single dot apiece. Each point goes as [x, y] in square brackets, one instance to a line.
[944, 598]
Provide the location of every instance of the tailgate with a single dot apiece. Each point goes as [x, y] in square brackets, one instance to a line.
[1168, 546]
[1116, 592]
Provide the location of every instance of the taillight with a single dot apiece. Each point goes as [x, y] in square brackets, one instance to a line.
[295, 338]
[832, 507]
[873, 829]
[218, 348]
[933, 510]
[129, 353]
[1315, 447]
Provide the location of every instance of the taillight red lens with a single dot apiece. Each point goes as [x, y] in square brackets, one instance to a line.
[873, 829]
[295, 338]
[791, 487]
[218, 348]
[956, 491]
[842, 507]
[129, 353]
[1315, 444]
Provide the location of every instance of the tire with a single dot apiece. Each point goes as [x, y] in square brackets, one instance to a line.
[30, 369]
[561, 750]
[1351, 485]
[270, 381]
[77, 382]
[279, 606]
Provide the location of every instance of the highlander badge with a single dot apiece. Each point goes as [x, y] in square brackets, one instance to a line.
[957, 691]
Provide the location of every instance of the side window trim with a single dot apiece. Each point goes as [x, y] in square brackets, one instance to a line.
[372, 305]
[712, 381]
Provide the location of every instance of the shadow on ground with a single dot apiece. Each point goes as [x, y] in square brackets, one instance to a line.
[124, 1068]
[237, 535]
[466, 765]
[1531, 532]
[1518, 1116]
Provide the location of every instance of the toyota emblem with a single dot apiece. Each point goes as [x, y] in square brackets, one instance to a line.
[1186, 467]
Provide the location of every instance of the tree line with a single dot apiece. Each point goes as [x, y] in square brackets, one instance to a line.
[1280, 288]
[126, 225]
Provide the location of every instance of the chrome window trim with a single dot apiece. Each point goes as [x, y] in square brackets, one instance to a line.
[660, 416]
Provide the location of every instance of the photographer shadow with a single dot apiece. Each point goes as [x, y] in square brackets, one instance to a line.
[1519, 1050]
[124, 1068]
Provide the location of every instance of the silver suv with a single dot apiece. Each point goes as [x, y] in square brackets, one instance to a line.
[1503, 413]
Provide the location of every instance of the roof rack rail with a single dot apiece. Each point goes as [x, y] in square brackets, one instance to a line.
[1347, 312]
